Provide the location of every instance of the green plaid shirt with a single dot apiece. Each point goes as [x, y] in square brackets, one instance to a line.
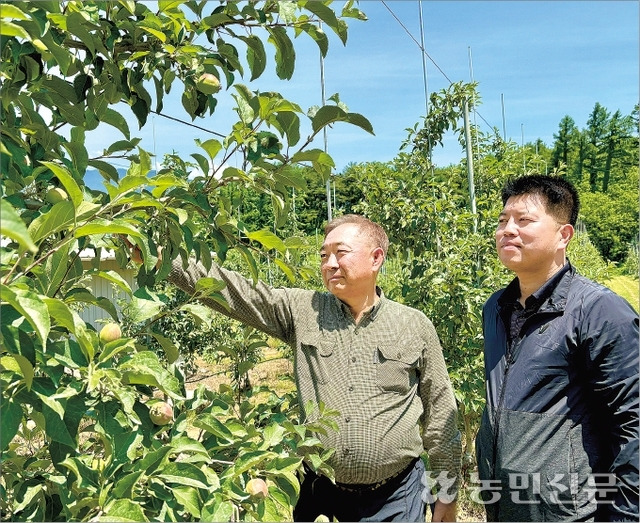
[386, 375]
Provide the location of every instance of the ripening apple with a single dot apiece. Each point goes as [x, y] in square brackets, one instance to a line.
[257, 488]
[208, 83]
[161, 413]
[110, 332]
[56, 194]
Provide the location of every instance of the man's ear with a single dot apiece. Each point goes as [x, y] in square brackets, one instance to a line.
[378, 258]
[566, 233]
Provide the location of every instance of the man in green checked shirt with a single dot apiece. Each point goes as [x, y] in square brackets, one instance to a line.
[377, 362]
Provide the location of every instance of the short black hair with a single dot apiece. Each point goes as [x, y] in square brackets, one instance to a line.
[559, 195]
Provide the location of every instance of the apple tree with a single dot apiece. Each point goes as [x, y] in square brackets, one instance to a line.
[101, 428]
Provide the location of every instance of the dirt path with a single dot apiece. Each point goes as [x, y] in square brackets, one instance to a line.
[272, 371]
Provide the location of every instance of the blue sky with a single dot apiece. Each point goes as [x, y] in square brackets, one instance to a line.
[544, 59]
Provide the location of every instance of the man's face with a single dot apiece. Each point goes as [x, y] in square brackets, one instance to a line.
[348, 262]
[528, 239]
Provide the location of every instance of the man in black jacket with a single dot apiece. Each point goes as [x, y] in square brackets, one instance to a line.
[559, 435]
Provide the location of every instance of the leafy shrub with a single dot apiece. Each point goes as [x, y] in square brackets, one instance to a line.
[631, 265]
[586, 258]
[126, 468]
[612, 218]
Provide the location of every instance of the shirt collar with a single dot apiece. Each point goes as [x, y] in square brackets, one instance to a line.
[547, 289]
[512, 292]
[372, 312]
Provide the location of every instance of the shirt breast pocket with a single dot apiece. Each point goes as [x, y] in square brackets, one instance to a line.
[396, 368]
[319, 357]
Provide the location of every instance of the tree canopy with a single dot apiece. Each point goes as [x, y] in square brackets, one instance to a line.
[99, 445]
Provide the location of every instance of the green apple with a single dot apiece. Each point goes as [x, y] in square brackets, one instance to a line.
[161, 413]
[110, 332]
[257, 488]
[208, 83]
[56, 194]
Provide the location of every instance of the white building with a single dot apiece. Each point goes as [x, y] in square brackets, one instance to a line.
[102, 287]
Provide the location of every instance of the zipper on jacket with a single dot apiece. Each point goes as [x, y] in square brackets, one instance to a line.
[509, 357]
[503, 388]
[496, 425]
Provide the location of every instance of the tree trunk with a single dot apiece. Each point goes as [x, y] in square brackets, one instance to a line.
[607, 168]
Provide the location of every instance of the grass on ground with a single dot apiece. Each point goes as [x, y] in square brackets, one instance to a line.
[628, 288]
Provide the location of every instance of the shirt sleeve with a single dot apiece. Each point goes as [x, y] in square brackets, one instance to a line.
[258, 305]
[441, 437]
[611, 335]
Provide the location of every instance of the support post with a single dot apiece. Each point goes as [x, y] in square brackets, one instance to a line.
[469, 150]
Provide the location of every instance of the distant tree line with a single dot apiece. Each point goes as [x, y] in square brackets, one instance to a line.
[602, 160]
[602, 153]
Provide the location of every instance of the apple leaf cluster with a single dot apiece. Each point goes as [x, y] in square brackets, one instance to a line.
[80, 438]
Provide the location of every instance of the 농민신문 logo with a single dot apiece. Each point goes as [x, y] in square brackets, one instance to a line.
[524, 488]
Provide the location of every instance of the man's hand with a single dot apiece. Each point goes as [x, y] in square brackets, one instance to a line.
[444, 511]
[136, 253]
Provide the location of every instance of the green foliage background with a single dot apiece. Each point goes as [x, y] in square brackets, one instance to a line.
[78, 442]
[77, 439]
